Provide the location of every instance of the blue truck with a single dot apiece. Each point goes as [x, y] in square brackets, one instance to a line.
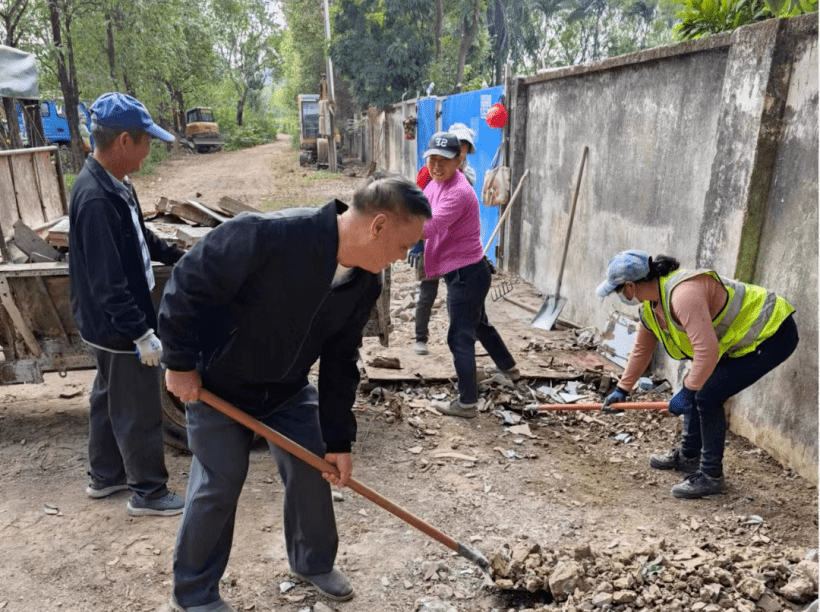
[55, 124]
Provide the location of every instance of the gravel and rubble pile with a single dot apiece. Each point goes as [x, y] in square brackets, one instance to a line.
[712, 576]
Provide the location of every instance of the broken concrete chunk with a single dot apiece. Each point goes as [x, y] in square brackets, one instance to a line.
[565, 578]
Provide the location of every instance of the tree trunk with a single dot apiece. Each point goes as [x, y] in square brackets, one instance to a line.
[439, 26]
[13, 130]
[109, 47]
[240, 107]
[467, 39]
[68, 78]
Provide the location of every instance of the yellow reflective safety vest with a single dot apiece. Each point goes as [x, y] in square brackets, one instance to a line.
[751, 315]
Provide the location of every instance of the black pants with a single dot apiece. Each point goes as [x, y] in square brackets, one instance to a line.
[704, 429]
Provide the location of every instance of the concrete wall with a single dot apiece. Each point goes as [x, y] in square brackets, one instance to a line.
[706, 151]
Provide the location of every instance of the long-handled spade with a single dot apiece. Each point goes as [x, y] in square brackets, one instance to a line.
[320, 464]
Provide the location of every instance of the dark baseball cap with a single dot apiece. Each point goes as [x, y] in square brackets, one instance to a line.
[124, 112]
[444, 144]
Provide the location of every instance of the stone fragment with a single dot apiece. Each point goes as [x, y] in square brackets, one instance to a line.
[565, 578]
[623, 597]
[751, 588]
[321, 607]
[767, 603]
[602, 599]
[802, 585]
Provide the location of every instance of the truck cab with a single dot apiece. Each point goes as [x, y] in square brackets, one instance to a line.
[55, 124]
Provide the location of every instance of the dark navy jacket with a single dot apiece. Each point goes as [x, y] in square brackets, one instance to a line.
[110, 299]
[251, 307]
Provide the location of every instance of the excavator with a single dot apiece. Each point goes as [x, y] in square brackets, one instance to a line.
[314, 122]
[201, 131]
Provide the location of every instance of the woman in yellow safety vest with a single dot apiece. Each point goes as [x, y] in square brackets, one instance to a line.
[733, 332]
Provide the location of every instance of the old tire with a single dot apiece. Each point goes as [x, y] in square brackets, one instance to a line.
[173, 420]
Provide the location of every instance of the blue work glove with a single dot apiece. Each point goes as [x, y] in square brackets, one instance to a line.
[616, 397]
[682, 402]
[415, 256]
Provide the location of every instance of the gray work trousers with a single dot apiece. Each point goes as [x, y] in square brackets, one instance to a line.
[125, 425]
[221, 448]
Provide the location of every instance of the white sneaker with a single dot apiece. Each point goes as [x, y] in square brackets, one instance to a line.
[420, 348]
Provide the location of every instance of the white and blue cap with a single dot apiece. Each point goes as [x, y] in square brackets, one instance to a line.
[464, 134]
[626, 266]
[124, 112]
[444, 144]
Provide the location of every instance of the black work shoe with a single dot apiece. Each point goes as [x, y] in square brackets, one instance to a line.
[675, 460]
[457, 409]
[217, 606]
[333, 584]
[698, 485]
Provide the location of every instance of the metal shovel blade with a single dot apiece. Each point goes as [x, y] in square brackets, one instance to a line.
[549, 313]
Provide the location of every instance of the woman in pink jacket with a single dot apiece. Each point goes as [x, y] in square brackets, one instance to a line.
[453, 250]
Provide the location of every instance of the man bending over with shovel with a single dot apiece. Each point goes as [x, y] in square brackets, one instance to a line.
[245, 315]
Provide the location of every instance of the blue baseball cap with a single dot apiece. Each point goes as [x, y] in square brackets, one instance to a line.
[444, 144]
[624, 267]
[121, 111]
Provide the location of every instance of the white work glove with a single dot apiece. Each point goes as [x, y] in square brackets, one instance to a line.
[149, 348]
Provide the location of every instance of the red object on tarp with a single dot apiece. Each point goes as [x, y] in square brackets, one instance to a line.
[497, 116]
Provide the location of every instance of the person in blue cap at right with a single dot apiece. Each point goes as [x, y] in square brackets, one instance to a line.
[733, 332]
[111, 281]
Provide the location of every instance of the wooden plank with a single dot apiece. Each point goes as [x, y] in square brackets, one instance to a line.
[187, 212]
[58, 233]
[30, 243]
[211, 213]
[234, 207]
[49, 188]
[25, 186]
[189, 236]
[20, 326]
[8, 200]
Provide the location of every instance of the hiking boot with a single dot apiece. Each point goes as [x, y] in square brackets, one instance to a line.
[420, 347]
[333, 584]
[513, 373]
[98, 490]
[457, 409]
[217, 606]
[675, 460]
[169, 504]
[698, 485]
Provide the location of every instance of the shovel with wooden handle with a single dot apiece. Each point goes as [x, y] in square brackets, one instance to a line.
[612, 407]
[554, 304]
[320, 464]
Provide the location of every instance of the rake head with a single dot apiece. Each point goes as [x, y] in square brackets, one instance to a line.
[500, 290]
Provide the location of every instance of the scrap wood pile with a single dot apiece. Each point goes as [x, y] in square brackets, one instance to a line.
[180, 223]
[728, 569]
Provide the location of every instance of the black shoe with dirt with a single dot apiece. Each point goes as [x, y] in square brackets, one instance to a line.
[675, 460]
[698, 485]
[333, 584]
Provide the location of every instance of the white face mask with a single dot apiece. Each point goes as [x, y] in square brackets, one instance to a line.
[632, 302]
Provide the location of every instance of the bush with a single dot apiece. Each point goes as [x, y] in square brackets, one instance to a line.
[704, 17]
[257, 129]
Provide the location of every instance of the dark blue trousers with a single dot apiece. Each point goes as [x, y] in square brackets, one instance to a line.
[221, 448]
[467, 289]
[704, 429]
[125, 425]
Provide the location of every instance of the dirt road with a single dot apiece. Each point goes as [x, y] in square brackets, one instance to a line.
[604, 521]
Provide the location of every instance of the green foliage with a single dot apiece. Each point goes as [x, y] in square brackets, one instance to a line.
[383, 47]
[256, 129]
[704, 17]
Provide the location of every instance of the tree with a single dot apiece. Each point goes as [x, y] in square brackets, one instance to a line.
[382, 47]
[246, 40]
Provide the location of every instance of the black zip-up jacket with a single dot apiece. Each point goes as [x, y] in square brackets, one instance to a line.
[110, 299]
[252, 308]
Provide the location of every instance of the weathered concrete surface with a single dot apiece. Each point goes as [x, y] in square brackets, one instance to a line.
[780, 413]
[706, 151]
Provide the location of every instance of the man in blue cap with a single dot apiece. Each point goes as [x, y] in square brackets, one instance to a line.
[111, 282]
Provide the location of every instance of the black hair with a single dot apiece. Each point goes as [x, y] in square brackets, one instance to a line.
[104, 136]
[661, 266]
[394, 193]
